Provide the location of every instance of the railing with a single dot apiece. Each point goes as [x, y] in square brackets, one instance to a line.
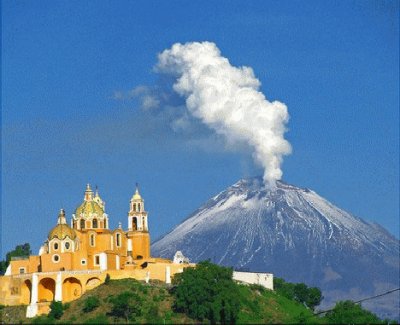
[74, 272]
[19, 258]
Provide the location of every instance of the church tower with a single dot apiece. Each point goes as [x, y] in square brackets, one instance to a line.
[137, 216]
[138, 230]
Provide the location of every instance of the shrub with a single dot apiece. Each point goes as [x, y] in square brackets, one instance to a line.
[153, 315]
[126, 305]
[153, 310]
[56, 310]
[347, 312]
[91, 303]
[144, 290]
[107, 279]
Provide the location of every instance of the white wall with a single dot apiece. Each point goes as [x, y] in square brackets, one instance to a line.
[103, 261]
[263, 279]
[117, 266]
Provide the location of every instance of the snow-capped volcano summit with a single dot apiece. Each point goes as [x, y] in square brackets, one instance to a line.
[295, 234]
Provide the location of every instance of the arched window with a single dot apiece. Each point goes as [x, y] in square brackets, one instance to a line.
[134, 206]
[138, 207]
[118, 239]
[82, 224]
[105, 223]
[94, 223]
[134, 223]
[143, 223]
[92, 240]
[55, 246]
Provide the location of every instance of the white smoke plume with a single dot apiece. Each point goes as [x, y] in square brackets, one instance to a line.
[228, 100]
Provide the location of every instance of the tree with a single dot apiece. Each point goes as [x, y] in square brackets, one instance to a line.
[347, 312]
[310, 297]
[19, 251]
[127, 305]
[207, 292]
[3, 267]
[314, 297]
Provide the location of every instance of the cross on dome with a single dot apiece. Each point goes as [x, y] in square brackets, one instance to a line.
[88, 193]
[137, 195]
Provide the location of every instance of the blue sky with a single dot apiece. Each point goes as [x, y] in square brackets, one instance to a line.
[334, 64]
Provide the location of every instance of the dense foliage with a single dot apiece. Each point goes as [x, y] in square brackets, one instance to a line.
[91, 303]
[207, 292]
[56, 310]
[310, 297]
[19, 251]
[347, 312]
[126, 305]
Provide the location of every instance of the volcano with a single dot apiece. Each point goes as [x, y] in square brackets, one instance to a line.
[295, 234]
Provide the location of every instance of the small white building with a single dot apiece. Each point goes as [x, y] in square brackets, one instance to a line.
[263, 279]
[179, 258]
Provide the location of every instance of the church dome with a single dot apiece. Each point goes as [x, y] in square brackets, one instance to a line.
[61, 231]
[90, 204]
[89, 207]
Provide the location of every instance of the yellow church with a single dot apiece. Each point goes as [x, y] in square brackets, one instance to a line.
[77, 257]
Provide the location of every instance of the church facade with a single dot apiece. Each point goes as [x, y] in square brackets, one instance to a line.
[78, 256]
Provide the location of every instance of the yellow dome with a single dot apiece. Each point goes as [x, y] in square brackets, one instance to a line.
[61, 231]
[136, 196]
[88, 207]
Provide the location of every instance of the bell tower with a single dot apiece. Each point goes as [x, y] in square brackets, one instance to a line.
[138, 230]
[137, 216]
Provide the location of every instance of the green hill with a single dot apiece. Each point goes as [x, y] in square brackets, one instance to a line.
[154, 302]
[205, 294]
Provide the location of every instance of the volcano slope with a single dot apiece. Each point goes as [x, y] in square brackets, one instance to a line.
[295, 234]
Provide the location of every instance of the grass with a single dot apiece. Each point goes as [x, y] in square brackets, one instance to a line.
[262, 306]
[258, 306]
[156, 304]
[12, 314]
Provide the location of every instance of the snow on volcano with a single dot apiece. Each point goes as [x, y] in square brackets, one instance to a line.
[295, 234]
